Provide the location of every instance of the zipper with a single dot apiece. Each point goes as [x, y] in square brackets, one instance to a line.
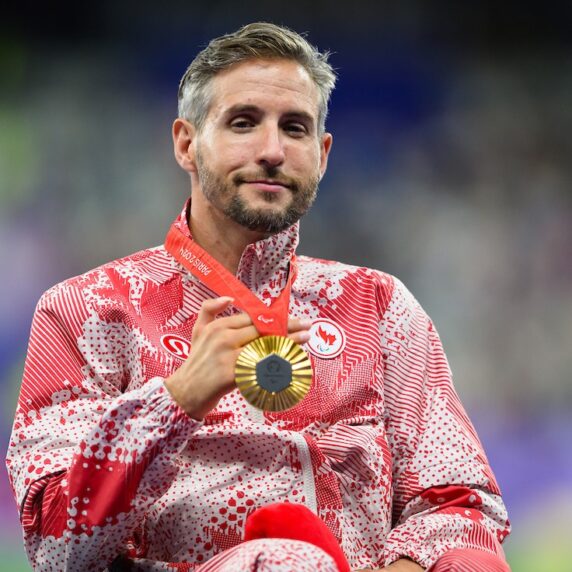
[307, 472]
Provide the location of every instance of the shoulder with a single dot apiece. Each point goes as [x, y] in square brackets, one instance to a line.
[332, 270]
[357, 282]
[393, 295]
[124, 279]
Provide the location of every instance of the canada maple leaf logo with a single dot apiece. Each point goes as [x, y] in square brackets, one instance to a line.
[329, 339]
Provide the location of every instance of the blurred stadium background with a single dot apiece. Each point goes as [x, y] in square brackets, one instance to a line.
[451, 169]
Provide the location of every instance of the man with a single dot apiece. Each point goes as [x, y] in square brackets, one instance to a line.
[132, 448]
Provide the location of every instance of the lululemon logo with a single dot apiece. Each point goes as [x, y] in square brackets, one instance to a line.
[176, 346]
[327, 339]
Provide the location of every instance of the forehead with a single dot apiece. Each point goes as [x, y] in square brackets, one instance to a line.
[270, 83]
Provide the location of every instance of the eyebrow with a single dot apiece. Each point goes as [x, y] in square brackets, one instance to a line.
[242, 108]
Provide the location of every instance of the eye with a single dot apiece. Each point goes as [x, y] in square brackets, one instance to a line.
[296, 129]
[241, 124]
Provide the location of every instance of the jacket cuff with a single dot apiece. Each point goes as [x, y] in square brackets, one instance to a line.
[424, 539]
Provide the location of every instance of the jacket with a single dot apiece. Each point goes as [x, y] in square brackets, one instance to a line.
[104, 463]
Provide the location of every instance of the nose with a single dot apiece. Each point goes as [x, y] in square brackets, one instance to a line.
[271, 148]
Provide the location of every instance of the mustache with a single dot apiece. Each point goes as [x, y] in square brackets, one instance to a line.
[270, 173]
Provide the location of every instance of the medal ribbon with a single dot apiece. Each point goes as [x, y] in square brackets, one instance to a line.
[267, 320]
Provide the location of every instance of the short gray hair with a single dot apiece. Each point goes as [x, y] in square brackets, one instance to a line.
[260, 40]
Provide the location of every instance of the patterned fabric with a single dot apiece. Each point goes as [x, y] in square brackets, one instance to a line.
[104, 463]
[271, 555]
[469, 560]
[279, 555]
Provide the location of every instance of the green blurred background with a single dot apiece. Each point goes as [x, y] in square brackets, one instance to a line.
[451, 168]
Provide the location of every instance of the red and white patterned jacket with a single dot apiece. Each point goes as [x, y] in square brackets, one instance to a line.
[103, 462]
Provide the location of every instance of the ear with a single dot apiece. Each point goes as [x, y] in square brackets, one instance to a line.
[325, 146]
[184, 144]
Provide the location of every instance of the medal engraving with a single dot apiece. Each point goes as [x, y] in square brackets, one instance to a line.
[273, 373]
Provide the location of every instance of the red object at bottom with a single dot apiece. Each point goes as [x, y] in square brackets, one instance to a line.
[294, 522]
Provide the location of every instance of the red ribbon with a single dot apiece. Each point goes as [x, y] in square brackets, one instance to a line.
[268, 320]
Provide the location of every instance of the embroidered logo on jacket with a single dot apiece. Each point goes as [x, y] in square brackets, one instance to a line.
[327, 339]
[176, 346]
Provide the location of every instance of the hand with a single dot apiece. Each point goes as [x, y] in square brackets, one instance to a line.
[401, 565]
[208, 373]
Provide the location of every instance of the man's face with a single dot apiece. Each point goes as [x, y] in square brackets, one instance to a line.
[259, 157]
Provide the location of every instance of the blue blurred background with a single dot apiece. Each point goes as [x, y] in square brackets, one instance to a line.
[451, 168]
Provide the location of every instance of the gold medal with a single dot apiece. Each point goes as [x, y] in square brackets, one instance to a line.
[273, 373]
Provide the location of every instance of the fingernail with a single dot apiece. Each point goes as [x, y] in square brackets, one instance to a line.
[304, 336]
[306, 324]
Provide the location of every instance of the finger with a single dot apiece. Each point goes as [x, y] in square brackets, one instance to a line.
[233, 322]
[238, 338]
[209, 311]
[245, 332]
[241, 320]
[297, 324]
[300, 337]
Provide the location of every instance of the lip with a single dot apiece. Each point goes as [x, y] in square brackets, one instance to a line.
[268, 186]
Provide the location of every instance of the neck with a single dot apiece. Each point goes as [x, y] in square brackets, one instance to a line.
[224, 239]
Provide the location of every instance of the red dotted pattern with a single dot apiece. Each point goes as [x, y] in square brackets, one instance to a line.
[272, 555]
[104, 463]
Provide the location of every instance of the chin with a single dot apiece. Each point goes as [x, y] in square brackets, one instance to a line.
[266, 218]
[268, 201]
[267, 223]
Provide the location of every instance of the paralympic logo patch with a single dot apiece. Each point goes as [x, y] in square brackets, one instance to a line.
[327, 339]
[176, 346]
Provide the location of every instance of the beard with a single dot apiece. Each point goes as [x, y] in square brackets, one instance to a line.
[226, 198]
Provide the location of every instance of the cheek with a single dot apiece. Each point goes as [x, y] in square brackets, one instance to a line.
[239, 156]
[307, 161]
[225, 159]
[233, 156]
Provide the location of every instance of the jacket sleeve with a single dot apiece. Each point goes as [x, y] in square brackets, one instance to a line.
[445, 494]
[86, 459]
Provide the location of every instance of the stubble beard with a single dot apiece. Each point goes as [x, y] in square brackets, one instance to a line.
[226, 197]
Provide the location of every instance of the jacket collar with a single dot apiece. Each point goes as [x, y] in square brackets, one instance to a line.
[264, 264]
